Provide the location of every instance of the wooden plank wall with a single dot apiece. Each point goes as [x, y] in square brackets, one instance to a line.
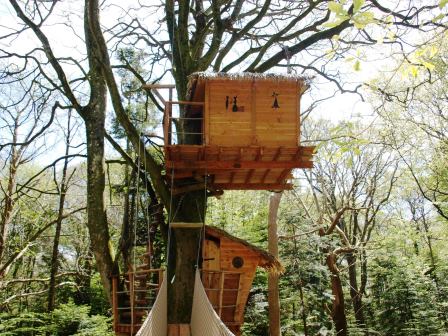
[230, 249]
[256, 123]
[276, 127]
[228, 128]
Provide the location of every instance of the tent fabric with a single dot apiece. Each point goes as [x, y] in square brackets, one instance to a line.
[156, 322]
[204, 320]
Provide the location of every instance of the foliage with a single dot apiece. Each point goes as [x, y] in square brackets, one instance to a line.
[68, 319]
[403, 298]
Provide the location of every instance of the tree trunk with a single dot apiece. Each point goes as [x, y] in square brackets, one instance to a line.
[94, 115]
[8, 202]
[355, 293]
[183, 251]
[273, 293]
[54, 265]
[8, 205]
[96, 213]
[338, 310]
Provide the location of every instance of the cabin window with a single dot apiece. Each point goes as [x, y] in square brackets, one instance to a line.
[237, 262]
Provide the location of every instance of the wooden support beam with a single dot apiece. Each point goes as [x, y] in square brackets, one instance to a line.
[185, 102]
[257, 159]
[249, 175]
[253, 186]
[184, 225]
[232, 176]
[283, 175]
[158, 86]
[265, 175]
[226, 165]
[192, 187]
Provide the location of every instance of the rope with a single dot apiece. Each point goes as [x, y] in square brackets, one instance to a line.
[137, 193]
[148, 222]
[168, 245]
[202, 233]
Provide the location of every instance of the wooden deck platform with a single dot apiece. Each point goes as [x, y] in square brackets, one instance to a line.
[237, 168]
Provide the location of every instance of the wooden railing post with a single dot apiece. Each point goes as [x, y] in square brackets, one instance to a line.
[166, 124]
[221, 292]
[132, 299]
[115, 302]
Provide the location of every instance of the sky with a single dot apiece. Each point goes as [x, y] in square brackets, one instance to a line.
[340, 107]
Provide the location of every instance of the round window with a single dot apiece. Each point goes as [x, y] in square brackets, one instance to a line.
[237, 262]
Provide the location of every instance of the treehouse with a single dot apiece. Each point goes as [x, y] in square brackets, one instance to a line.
[228, 269]
[241, 131]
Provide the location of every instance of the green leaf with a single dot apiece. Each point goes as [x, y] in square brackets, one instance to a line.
[443, 3]
[357, 4]
[335, 7]
[414, 70]
[438, 17]
[428, 65]
[330, 24]
[361, 20]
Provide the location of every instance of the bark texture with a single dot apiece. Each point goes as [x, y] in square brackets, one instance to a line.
[338, 309]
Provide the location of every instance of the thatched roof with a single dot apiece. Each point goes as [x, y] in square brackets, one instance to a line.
[267, 260]
[196, 81]
[249, 76]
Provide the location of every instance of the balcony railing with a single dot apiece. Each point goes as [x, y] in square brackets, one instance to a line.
[181, 129]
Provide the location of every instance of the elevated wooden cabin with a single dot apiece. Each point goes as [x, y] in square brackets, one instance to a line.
[242, 131]
[228, 269]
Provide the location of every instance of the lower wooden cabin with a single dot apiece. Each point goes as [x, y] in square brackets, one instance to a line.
[228, 270]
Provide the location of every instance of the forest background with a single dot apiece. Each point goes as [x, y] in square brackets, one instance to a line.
[362, 235]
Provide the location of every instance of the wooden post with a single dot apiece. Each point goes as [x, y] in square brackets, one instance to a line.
[179, 330]
[115, 302]
[221, 292]
[131, 299]
[273, 295]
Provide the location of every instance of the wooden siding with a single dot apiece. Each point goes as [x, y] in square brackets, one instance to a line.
[256, 123]
[225, 127]
[276, 126]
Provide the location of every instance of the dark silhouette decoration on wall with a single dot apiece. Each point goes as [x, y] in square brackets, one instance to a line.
[275, 104]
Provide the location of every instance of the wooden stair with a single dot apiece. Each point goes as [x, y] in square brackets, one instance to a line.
[133, 295]
[134, 292]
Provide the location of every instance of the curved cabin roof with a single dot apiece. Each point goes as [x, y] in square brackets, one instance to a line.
[267, 260]
[196, 81]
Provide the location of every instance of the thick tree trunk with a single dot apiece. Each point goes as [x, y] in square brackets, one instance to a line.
[355, 293]
[184, 256]
[273, 293]
[338, 310]
[96, 213]
[94, 115]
